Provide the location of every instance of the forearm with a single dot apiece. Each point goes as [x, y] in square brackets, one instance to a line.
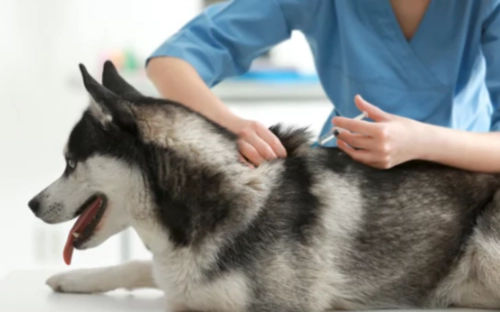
[460, 149]
[177, 80]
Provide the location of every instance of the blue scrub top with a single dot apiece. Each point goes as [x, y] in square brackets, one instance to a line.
[448, 74]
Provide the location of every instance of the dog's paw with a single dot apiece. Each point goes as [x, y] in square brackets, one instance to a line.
[80, 281]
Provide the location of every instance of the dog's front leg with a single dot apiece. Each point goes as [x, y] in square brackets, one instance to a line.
[130, 275]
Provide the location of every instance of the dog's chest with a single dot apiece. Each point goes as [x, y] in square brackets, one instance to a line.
[179, 273]
[181, 278]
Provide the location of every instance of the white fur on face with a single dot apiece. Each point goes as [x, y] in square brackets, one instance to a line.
[60, 200]
[121, 184]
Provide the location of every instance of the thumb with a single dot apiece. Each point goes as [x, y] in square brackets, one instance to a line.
[374, 113]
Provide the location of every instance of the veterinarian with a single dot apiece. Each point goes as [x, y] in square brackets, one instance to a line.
[427, 72]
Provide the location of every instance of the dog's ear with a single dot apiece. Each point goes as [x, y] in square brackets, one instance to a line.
[112, 80]
[106, 106]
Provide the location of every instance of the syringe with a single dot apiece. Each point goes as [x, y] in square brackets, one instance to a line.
[336, 131]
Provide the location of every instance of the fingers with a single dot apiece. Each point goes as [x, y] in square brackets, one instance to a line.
[258, 144]
[375, 113]
[358, 141]
[372, 143]
[249, 152]
[358, 155]
[261, 146]
[357, 126]
[273, 142]
[368, 157]
[245, 161]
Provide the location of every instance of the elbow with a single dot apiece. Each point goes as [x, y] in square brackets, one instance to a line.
[161, 68]
[153, 67]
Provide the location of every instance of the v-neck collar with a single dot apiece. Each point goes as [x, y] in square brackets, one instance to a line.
[421, 25]
[412, 69]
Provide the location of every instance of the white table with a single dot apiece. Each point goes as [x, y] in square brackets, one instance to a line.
[26, 292]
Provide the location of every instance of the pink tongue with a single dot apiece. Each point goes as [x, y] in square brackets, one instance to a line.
[80, 225]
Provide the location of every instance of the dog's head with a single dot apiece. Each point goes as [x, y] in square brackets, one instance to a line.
[124, 151]
[101, 179]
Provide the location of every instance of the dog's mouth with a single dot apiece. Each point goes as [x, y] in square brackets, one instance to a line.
[90, 214]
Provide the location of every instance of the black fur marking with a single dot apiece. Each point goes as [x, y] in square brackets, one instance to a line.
[187, 197]
[334, 159]
[89, 138]
[295, 218]
[292, 138]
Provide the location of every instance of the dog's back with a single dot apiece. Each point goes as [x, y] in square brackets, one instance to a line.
[337, 234]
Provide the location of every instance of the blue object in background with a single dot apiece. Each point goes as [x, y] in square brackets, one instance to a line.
[277, 77]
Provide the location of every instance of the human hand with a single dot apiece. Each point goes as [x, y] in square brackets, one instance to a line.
[388, 141]
[257, 143]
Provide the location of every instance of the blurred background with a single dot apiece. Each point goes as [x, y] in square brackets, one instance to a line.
[42, 96]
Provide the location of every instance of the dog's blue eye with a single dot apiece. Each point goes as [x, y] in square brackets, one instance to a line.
[71, 163]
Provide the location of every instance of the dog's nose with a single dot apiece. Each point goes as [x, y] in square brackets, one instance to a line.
[34, 205]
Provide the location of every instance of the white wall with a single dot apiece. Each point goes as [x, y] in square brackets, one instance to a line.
[41, 44]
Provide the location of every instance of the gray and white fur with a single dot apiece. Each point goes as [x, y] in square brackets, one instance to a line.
[315, 231]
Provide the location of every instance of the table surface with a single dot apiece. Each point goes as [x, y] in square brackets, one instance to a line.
[25, 291]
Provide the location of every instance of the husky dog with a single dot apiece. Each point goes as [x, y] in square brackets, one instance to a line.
[315, 231]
